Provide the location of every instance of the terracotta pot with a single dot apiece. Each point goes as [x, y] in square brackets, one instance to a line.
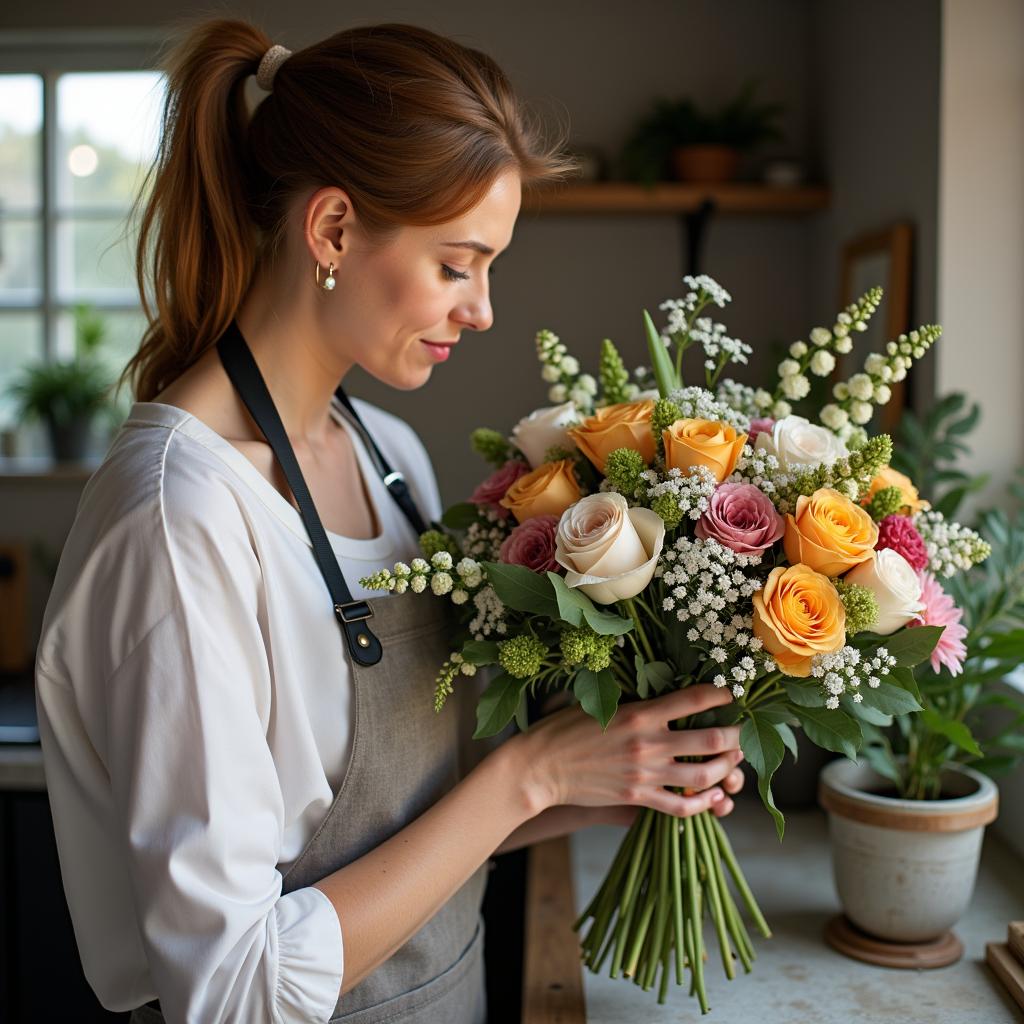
[905, 869]
[705, 163]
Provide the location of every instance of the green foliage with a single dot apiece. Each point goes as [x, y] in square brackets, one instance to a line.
[491, 445]
[886, 502]
[661, 363]
[598, 694]
[930, 446]
[741, 122]
[434, 541]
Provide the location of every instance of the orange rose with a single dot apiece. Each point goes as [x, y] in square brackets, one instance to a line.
[829, 533]
[798, 614]
[548, 491]
[890, 477]
[626, 425]
[703, 443]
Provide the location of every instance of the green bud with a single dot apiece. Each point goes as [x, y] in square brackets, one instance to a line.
[623, 468]
[434, 541]
[522, 656]
[886, 502]
[490, 444]
[861, 606]
[666, 506]
[613, 374]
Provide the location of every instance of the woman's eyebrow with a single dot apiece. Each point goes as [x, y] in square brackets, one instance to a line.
[478, 246]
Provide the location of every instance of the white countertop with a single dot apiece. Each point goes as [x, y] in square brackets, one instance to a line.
[797, 978]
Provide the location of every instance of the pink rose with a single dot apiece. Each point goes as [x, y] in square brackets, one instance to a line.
[742, 518]
[900, 534]
[494, 488]
[532, 544]
[761, 425]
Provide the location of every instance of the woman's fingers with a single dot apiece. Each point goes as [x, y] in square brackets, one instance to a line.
[733, 782]
[699, 775]
[690, 700]
[722, 808]
[715, 739]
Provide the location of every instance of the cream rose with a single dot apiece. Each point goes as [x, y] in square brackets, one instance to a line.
[896, 586]
[545, 428]
[794, 440]
[608, 549]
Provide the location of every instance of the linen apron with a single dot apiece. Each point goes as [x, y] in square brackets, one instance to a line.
[405, 757]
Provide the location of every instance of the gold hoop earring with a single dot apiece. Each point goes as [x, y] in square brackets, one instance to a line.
[329, 281]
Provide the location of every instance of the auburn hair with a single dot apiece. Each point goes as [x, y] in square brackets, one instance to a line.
[413, 125]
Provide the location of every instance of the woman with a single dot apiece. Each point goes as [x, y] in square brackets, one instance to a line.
[259, 815]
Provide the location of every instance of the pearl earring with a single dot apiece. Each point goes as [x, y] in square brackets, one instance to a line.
[329, 281]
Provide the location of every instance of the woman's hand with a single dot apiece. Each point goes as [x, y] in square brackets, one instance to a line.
[565, 758]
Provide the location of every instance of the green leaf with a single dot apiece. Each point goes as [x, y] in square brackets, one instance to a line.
[803, 695]
[461, 516]
[598, 694]
[764, 788]
[879, 761]
[521, 589]
[910, 646]
[574, 606]
[954, 731]
[833, 730]
[761, 744]
[522, 713]
[480, 652]
[642, 685]
[890, 699]
[1008, 646]
[657, 675]
[497, 705]
[788, 737]
[905, 678]
[864, 712]
[661, 361]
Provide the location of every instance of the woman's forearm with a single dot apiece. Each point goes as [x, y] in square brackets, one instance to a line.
[385, 897]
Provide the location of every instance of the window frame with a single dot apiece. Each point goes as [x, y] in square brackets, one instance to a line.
[50, 55]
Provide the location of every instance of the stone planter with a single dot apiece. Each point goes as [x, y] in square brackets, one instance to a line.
[905, 869]
[709, 163]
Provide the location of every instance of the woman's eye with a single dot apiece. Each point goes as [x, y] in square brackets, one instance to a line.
[453, 275]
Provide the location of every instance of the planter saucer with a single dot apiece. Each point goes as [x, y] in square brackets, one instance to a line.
[842, 935]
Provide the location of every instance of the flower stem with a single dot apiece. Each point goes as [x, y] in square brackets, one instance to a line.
[707, 852]
[740, 882]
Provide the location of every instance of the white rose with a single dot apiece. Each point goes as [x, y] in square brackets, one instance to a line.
[897, 588]
[543, 429]
[608, 549]
[795, 441]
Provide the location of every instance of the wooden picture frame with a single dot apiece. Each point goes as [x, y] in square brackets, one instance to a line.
[885, 258]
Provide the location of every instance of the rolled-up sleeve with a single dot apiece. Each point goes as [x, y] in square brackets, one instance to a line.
[197, 803]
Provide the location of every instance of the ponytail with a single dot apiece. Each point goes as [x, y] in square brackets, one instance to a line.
[413, 125]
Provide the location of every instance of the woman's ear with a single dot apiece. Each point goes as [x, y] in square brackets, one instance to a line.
[328, 217]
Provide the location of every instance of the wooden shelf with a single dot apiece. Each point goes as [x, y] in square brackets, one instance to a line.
[610, 197]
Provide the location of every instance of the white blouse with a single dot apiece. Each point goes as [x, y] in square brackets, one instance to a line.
[193, 692]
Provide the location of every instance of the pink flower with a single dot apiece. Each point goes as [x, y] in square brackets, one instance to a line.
[900, 534]
[760, 425]
[493, 489]
[939, 610]
[743, 518]
[532, 544]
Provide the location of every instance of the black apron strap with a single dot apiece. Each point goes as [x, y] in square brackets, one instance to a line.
[245, 375]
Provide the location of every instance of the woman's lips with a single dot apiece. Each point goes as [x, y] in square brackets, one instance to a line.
[438, 350]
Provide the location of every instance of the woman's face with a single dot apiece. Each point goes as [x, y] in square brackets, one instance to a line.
[399, 309]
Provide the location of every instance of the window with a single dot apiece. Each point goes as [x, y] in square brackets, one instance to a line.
[75, 143]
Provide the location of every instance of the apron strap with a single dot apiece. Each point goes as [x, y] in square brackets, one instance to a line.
[245, 375]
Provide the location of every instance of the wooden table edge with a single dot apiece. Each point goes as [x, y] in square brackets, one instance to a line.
[552, 969]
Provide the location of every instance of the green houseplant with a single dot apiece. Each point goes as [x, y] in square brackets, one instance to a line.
[68, 394]
[677, 139]
[907, 823]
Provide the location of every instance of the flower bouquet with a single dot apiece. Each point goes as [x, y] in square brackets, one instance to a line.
[642, 535]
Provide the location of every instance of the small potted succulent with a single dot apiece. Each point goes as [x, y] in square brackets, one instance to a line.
[678, 140]
[68, 394]
[907, 822]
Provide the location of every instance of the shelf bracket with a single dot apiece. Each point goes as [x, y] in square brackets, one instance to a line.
[694, 233]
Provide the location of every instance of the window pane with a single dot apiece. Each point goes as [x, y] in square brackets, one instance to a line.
[108, 127]
[20, 260]
[21, 127]
[95, 259]
[21, 340]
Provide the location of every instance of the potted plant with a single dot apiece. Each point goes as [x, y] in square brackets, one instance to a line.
[678, 140]
[906, 824]
[67, 394]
